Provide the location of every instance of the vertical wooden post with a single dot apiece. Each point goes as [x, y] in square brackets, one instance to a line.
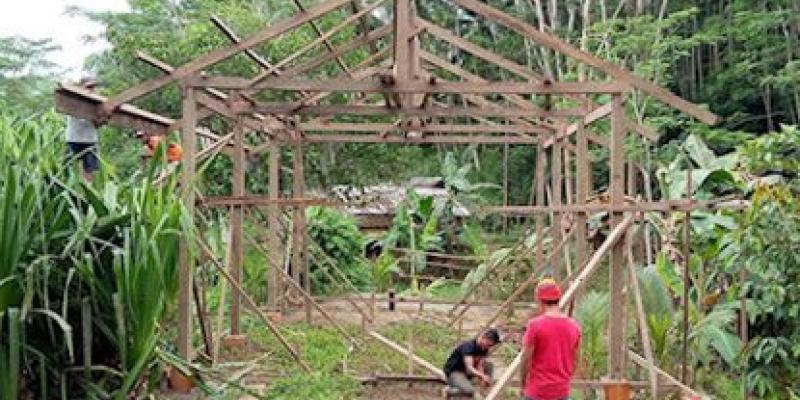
[541, 164]
[505, 186]
[185, 260]
[631, 179]
[582, 188]
[405, 57]
[274, 283]
[557, 184]
[299, 226]
[237, 216]
[616, 187]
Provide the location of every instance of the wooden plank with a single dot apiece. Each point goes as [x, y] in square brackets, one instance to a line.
[644, 330]
[556, 183]
[186, 262]
[274, 283]
[298, 224]
[448, 139]
[399, 349]
[555, 43]
[218, 55]
[403, 62]
[79, 102]
[237, 228]
[427, 128]
[582, 191]
[352, 85]
[656, 206]
[541, 164]
[262, 201]
[428, 111]
[616, 328]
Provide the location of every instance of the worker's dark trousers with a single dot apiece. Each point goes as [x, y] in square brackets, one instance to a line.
[463, 383]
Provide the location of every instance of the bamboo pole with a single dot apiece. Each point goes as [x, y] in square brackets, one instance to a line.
[644, 363]
[399, 349]
[642, 319]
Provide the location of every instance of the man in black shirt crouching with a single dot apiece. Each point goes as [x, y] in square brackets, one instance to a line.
[468, 361]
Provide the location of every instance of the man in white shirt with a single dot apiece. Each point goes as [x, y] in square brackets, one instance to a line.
[82, 137]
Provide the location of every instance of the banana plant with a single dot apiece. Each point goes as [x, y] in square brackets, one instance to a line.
[416, 227]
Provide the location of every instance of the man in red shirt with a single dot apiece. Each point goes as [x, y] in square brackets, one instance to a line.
[550, 347]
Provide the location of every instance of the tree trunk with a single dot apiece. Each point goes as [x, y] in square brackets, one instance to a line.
[767, 98]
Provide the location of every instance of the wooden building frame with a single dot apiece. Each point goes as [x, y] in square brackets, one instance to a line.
[398, 92]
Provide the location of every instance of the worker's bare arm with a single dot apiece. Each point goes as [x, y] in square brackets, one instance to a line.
[470, 363]
[527, 353]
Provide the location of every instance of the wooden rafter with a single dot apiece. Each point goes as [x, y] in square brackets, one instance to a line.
[555, 43]
[218, 55]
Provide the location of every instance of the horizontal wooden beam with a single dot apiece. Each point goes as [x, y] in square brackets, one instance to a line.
[81, 103]
[447, 139]
[426, 128]
[429, 111]
[664, 206]
[351, 85]
[260, 201]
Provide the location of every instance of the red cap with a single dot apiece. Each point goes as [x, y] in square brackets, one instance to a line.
[548, 290]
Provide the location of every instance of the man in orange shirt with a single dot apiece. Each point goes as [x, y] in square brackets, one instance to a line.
[151, 142]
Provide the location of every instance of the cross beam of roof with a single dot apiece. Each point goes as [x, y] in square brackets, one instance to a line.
[427, 128]
[444, 139]
[350, 85]
[429, 111]
[218, 55]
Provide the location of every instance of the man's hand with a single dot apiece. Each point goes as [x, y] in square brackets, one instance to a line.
[103, 115]
[486, 380]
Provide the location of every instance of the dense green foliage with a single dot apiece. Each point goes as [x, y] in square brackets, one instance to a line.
[337, 236]
[99, 258]
[87, 271]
